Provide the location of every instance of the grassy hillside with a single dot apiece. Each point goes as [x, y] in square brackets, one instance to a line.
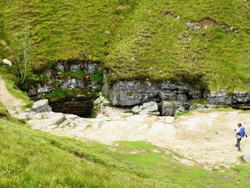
[135, 39]
[31, 158]
[156, 39]
[59, 29]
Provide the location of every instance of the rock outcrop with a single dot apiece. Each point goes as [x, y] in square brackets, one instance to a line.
[62, 76]
[77, 83]
[171, 98]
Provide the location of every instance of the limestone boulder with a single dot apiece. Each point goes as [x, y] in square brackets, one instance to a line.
[23, 116]
[150, 108]
[136, 109]
[56, 118]
[246, 157]
[41, 106]
[168, 108]
[180, 110]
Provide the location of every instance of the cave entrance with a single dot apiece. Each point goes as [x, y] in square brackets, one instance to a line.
[80, 108]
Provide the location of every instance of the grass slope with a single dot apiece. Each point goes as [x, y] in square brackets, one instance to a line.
[31, 158]
[59, 29]
[155, 38]
[136, 39]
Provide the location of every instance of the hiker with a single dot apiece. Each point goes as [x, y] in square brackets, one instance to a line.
[240, 133]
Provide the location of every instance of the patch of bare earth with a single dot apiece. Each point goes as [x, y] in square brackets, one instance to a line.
[10, 102]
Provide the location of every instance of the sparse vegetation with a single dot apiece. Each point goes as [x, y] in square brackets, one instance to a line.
[72, 74]
[97, 76]
[199, 101]
[61, 94]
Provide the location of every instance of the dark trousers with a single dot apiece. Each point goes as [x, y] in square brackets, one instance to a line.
[238, 143]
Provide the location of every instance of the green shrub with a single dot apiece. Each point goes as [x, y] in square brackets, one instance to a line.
[97, 76]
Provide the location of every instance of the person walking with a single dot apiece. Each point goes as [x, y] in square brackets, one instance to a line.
[240, 133]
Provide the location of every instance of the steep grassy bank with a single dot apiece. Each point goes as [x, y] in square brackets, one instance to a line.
[31, 158]
[135, 39]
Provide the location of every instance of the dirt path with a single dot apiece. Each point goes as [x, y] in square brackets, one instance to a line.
[10, 102]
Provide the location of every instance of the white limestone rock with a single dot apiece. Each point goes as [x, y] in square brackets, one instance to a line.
[23, 116]
[41, 106]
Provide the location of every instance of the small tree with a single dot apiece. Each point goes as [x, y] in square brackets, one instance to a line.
[23, 54]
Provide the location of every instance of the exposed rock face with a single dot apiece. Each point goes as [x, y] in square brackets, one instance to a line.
[167, 95]
[171, 98]
[71, 83]
[57, 78]
[130, 93]
[241, 97]
[220, 98]
[68, 76]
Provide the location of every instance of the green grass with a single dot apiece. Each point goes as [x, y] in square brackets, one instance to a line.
[159, 164]
[3, 112]
[199, 101]
[153, 41]
[31, 158]
[62, 29]
[137, 39]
